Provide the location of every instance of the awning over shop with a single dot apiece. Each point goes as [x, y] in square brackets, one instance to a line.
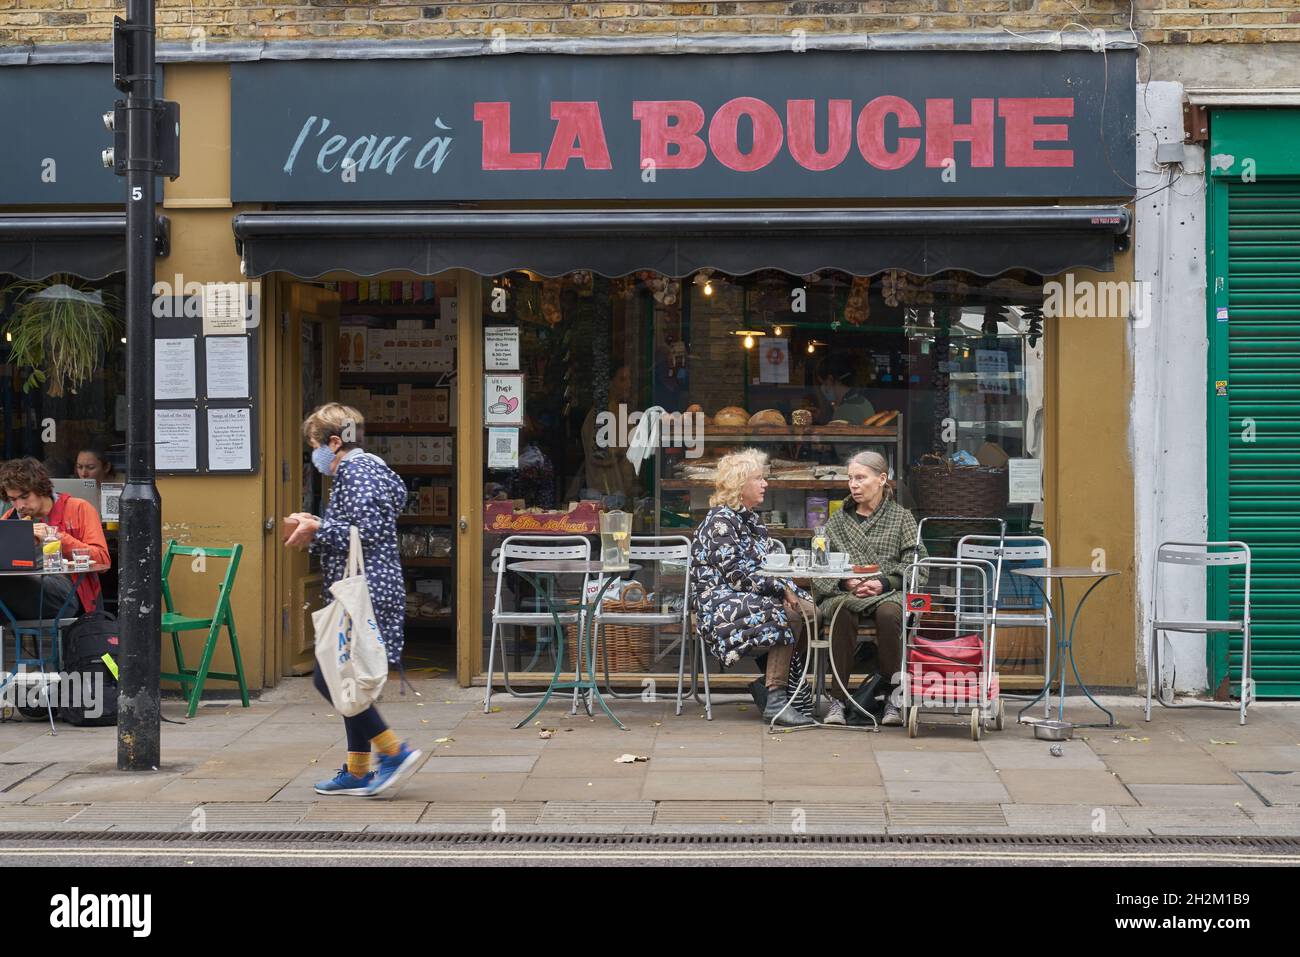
[89, 245]
[922, 241]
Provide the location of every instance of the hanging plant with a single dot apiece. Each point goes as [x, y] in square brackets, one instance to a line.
[60, 330]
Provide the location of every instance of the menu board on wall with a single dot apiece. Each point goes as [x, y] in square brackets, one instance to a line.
[205, 396]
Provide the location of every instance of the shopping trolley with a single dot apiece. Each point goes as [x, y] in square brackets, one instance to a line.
[949, 642]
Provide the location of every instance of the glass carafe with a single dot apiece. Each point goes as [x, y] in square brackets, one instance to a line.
[820, 548]
[616, 539]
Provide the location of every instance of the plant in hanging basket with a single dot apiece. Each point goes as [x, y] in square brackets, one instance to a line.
[59, 329]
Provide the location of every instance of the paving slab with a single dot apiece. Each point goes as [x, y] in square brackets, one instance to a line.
[1277, 788]
[866, 817]
[477, 764]
[721, 813]
[1169, 769]
[945, 792]
[1278, 821]
[1190, 820]
[950, 767]
[328, 812]
[813, 794]
[84, 788]
[198, 790]
[1025, 755]
[1195, 795]
[484, 815]
[573, 815]
[572, 763]
[907, 817]
[463, 787]
[1066, 819]
[626, 786]
[1065, 786]
[1264, 757]
[32, 813]
[692, 786]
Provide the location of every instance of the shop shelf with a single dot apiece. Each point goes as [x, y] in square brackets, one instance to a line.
[407, 428]
[447, 470]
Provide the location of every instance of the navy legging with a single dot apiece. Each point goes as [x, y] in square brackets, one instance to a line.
[361, 727]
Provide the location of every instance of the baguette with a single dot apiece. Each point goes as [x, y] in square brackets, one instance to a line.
[872, 419]
[887, 417]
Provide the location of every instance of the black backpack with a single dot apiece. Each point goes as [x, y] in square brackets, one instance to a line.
[93, 702]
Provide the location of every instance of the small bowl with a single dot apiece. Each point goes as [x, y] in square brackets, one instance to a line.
[866, 569]
[1053, 730]
[777, 563]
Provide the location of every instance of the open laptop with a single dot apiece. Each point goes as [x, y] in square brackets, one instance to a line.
[18, 547]
[81, 488]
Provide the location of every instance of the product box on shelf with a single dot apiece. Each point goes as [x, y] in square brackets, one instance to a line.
[425, 445]
[441, 406]
[426, 499]
[422, 406]
[441, 501]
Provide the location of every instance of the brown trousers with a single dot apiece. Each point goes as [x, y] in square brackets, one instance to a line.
[888, 619]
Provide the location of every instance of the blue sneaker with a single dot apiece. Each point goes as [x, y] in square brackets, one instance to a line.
[345, 782]
[392, 768]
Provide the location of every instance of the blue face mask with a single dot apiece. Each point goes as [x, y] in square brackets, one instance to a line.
[323, 458]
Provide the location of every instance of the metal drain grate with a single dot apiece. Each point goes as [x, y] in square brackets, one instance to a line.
[1288, 845]
[946, 815]
[720, 813]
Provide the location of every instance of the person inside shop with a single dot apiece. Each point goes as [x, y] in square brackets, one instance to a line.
[875, 531]
[740, 613]
[842, 400]
[369, 495]
[73, 521]
[606, 469]
[93, 463]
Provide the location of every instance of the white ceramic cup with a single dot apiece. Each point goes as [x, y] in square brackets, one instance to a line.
[777, 560]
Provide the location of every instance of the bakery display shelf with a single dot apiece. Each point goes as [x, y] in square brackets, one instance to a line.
[811, 484]
[804, 433]
[444, 562]
[407, 428]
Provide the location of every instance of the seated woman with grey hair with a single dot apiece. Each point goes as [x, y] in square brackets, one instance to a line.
[874, 530]
[737, 611]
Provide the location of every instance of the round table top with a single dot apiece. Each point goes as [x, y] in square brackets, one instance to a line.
[69, 570]
[808, 574]
[1064, 571]
[565, 566]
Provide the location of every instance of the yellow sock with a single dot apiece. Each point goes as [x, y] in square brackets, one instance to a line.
[387, 742]
[359, 763]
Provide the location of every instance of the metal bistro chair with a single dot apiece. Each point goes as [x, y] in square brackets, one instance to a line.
[700, 656]
[1016, 548]
[1199, 554]
[664, 549]
[529, 548]
[36, 629]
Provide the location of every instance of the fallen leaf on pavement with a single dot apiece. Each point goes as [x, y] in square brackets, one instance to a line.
[630, 758]
[545, 734]
[1213, 741]
[443, 740]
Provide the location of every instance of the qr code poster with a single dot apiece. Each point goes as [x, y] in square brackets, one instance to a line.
[503, 449]
[110, 497]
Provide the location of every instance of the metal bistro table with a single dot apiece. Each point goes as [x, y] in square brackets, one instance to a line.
[817, 645]
[1064, 637]
[586, 654]
[38, 627]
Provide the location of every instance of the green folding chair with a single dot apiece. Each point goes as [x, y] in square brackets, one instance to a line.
[192, 679]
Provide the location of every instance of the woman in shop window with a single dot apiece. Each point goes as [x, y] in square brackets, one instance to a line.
[874, 530]
[367, 494]
[737, 611]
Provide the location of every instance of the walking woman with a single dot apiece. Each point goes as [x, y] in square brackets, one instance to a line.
[368, 494]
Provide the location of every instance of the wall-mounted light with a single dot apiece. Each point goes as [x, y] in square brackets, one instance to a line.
[776, 330]
[9, 337]
[749, 336]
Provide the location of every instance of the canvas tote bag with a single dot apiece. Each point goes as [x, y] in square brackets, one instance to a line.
[349, 648]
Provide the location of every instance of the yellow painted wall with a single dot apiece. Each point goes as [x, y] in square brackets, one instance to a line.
[1089, 478]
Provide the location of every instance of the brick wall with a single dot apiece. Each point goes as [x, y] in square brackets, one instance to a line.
[1158, 21]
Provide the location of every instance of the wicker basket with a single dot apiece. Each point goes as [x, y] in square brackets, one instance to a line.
[942, 488]
[630, 646]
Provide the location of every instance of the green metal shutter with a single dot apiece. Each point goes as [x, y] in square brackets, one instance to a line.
[1255, 431]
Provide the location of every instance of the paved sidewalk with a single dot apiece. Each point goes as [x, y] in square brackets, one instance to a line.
[1188, 772]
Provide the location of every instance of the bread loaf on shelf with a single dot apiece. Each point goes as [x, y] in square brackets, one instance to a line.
[731, 415]
[767, 417]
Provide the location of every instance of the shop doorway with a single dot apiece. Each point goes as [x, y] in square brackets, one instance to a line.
[386, 346]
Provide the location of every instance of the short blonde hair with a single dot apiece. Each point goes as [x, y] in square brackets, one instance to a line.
[734, 471]
[334, 418]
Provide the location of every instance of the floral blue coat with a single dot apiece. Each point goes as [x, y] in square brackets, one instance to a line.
[368, 494]
[736, 611]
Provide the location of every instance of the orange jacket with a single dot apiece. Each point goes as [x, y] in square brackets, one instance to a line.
[79, 524]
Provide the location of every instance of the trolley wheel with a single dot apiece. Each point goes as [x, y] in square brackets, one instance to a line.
[1000, 721]
[976, 727]
[913, 721]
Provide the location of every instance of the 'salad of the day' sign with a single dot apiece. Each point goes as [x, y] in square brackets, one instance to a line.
[817, 125]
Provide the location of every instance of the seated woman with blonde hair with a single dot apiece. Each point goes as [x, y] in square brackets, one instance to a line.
[737, 611]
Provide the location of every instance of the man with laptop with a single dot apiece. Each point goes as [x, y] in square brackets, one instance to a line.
[27, 486]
